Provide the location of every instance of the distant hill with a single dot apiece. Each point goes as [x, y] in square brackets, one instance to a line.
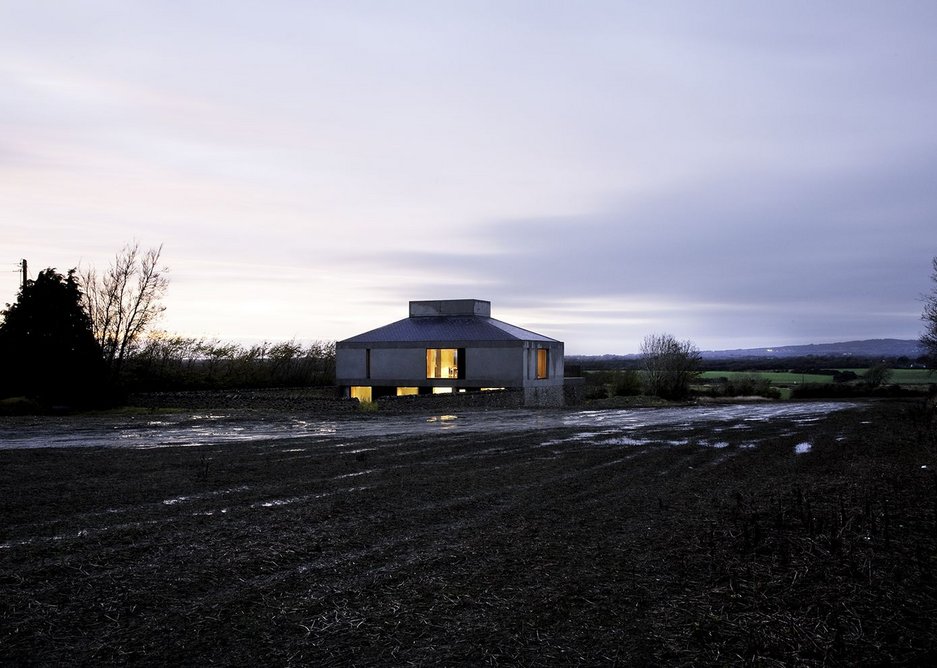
[910, 348]
[883, 348]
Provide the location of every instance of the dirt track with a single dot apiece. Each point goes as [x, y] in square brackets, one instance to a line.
[532, 547]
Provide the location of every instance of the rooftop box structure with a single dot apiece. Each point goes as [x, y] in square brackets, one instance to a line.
[450, 345]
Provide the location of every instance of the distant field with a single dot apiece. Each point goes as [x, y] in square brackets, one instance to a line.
[898, 376]
[906, 376]
[775, 377]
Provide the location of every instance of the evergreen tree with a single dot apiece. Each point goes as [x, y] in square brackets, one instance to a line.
[47, 349]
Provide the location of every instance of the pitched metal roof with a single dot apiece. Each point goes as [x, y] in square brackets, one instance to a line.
[447, 328]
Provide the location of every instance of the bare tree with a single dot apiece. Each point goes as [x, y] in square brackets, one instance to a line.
[125, 300]
[669, 365]
[929, 316]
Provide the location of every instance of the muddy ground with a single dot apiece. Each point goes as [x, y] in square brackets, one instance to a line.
[784, 541]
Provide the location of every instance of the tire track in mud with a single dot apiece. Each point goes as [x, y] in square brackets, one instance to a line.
[431, 542]
[337, 540]
[440, 449]
[477, 511]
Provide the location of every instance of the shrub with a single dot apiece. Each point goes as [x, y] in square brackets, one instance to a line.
[844, 376]
[626, 384]
[596, 392]
[745, 386]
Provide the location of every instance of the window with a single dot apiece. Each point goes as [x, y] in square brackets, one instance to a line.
[445, 362]
[367, 363]
[406, 391]
[543, 363]
[362, 393]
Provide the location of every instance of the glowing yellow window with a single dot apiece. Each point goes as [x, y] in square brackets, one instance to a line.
[442, 362]
[362, 393]
[405, 391]
[543, 363]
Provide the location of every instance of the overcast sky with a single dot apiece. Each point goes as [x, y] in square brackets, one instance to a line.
[739, 174]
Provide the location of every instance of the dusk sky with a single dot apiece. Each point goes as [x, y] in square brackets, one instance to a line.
[739, 174]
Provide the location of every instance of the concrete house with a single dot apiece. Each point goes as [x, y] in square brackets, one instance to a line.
[450, 346]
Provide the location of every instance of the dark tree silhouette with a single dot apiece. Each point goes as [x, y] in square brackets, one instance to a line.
[929, 316]
[47, 349]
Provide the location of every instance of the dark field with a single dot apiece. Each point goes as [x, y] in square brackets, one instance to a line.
[524, 548]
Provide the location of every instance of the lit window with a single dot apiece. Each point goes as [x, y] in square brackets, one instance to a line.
[443, 362]
[362, 393]
[443, 390]
[404, 391]
[543, 363]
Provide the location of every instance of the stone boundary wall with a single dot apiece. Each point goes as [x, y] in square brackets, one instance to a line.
[456, 400]
[282, 399]
[317, 401]
[301, 400]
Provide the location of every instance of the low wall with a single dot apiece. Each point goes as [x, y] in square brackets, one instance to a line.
[454, 401]
[282, 399]
[544, 397]
[318, 401]
[574, 390]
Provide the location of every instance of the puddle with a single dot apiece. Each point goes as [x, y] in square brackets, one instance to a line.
[442, 418]
[207, 495]
[275, 503]
[194, 429]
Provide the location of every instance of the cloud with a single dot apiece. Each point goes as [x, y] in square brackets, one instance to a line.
[756, 255]
[734, 172]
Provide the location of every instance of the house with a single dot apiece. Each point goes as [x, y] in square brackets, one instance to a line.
[448, 346]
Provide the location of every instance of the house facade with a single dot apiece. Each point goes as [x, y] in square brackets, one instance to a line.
[447, 346]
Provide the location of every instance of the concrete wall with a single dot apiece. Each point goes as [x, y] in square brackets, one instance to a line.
[350, 363]
[398, 363]
[511, 365]
[495, 367]
[490, 366]
[439, 307]
[556, 364]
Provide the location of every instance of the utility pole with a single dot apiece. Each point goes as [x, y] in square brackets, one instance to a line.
[24, 273]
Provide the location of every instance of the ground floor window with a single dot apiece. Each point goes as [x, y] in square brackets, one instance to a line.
[543, 363]
[406, 391]
[443, 390]
[445, 362]
[361, 392]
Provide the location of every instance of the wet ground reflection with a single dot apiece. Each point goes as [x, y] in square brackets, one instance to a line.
[200, 428]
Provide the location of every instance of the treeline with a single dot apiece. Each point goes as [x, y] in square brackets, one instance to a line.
[811, 364]
[821, 364]
[165, 362]
[84, 339]
[629, 382]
